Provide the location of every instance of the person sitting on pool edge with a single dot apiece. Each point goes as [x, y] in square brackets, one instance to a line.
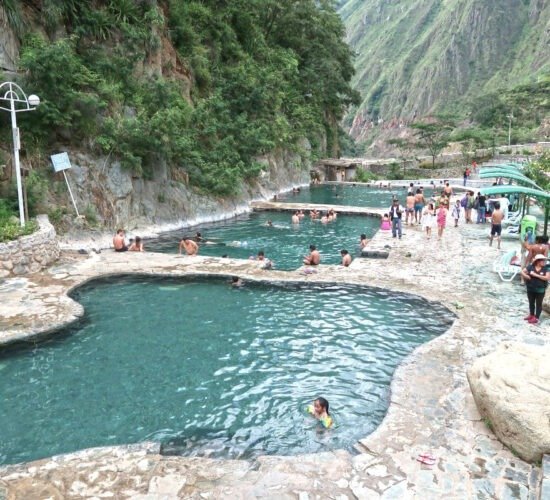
[136, 245]
[314, 257]
[190, 247]
[118, 241]
[346, 258]
[267, 264]
[319, 409]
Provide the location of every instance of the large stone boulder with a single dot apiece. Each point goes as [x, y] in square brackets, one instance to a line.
[511, 388]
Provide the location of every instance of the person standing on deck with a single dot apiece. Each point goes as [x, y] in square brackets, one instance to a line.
[481, 208]
[441, 220]
[410, 207]
[496, 224]
[419, 202]
[396, 211]
[469, 205]
[456, 212]
[536, 281]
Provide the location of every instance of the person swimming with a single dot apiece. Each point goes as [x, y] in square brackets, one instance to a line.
[236, 282]
[319, 409]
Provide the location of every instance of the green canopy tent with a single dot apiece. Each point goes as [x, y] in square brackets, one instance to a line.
[502, 165]
[510, 170]
[506, 166]
[539, 194]
[520, 178]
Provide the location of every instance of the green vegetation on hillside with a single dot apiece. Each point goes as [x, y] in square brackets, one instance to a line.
[422, 57]
[522, 109]
[248, 77]
[539, 170]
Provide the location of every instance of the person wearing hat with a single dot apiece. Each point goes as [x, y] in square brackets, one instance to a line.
[396, 210]
[536, 281]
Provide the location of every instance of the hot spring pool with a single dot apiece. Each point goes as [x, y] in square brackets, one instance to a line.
[283, 243]
[210, 370]
[351, 195]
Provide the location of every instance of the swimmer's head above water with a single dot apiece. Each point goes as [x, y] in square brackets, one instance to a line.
[320, 410]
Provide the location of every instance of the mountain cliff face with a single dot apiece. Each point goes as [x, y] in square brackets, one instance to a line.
[417, 57]
[197, 96]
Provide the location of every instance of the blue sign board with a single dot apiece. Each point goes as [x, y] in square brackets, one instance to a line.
[61, 162]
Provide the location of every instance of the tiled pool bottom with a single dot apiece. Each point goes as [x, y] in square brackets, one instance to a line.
[211, 370]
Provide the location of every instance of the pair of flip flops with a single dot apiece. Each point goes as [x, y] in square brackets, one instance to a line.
[426, 459]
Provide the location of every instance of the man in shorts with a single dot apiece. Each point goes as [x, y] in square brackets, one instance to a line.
[496, 224]
[119, 241]
[410, 208]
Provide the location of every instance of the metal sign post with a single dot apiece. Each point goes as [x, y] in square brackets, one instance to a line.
[61, 163]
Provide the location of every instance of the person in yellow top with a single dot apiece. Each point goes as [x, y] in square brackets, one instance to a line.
[319, 409]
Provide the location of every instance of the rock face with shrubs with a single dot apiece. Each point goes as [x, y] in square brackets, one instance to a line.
[31, 253]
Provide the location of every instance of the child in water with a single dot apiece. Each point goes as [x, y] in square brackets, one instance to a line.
[319, 409]
[386, 224]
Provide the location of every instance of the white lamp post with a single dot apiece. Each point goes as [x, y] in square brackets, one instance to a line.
[510, 118]
[18, 101]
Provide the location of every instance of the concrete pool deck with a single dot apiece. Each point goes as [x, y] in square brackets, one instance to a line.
[280, 206]
[431, 409]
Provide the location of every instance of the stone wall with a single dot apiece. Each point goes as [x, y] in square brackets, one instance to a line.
[441, 173]
[118, 199]
[31, 253]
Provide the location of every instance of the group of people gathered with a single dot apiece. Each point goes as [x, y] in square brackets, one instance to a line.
[324, 218]
[535, 270]
[418, 211]
[119, 243]
[434, 213]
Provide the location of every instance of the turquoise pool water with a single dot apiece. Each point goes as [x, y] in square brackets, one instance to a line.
[210, 370]
[283, 243]
[349, 194]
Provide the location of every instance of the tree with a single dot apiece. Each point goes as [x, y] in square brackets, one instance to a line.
[539, 170]
[471, 139]
[405, 149]
[433, 136]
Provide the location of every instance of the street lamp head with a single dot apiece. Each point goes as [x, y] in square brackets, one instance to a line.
[34, 100]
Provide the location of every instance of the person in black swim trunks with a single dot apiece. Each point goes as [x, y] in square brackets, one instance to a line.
[496, 224]
[119, 242]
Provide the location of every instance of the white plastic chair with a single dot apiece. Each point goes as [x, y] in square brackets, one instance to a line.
[503, 267]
